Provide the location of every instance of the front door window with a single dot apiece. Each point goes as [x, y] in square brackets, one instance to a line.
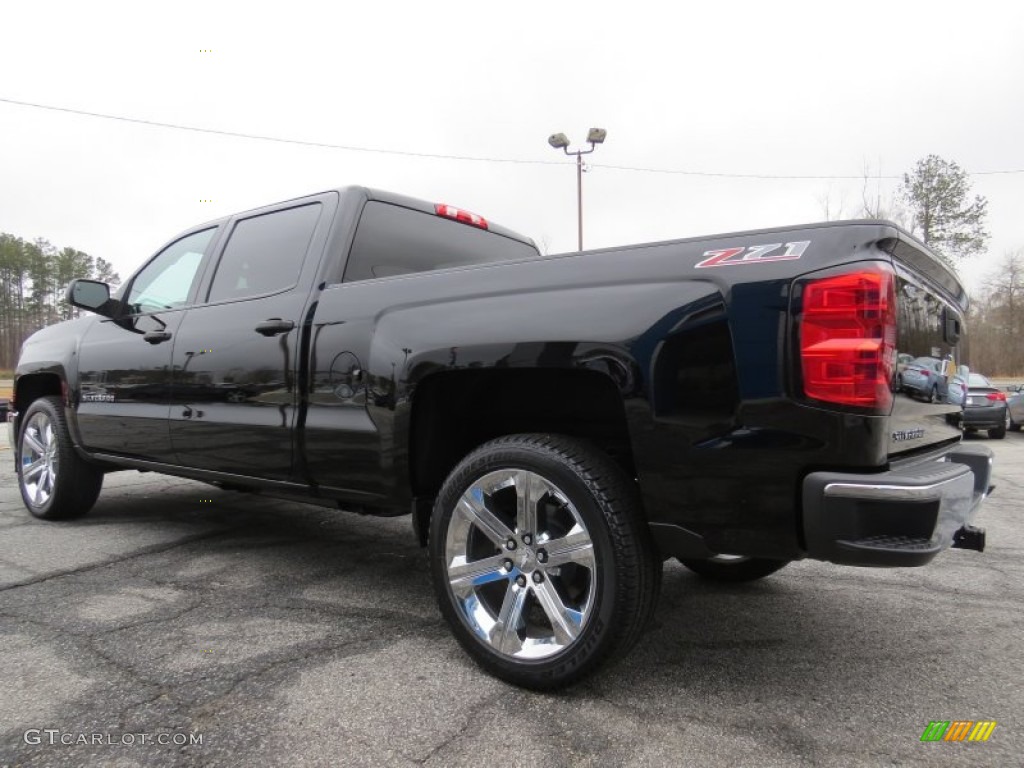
[165, 283]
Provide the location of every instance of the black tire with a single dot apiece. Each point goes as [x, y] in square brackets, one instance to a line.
[998, 433]
[1014, 425]
[610, 581]
[933, 394]
[736, 570]
[55, 483]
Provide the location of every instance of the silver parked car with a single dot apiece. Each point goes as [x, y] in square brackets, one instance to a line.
[1015, 403]
[923, 377]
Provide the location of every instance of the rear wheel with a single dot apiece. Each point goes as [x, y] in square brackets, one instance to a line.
[733, 568]
[1000, 432]
[542, 563]
[55, 483]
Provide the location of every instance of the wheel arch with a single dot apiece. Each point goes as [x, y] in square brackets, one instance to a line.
[29, 387]
[454, 412]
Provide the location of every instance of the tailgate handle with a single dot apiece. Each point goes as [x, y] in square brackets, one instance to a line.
[274, 326]
[951, 331]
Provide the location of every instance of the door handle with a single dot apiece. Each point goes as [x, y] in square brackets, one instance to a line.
[274, 326]
[156, 337]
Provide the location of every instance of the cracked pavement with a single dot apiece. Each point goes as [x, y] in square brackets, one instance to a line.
[287, 634]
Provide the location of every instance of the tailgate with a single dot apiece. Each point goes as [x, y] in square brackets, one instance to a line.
[932, 303]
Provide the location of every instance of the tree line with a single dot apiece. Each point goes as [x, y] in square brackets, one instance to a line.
[995, 324]
[33, 277]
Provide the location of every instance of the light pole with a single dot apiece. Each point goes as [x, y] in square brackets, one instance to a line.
[559, 141]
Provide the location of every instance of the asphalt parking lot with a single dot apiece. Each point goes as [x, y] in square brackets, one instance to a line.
[279, 634]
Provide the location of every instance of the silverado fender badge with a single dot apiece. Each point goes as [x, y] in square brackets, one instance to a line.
[754, 254]
[907, 434]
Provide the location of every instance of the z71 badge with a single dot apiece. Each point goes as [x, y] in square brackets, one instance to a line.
[754, 254]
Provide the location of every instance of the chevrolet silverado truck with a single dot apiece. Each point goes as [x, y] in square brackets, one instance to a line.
[557, 426]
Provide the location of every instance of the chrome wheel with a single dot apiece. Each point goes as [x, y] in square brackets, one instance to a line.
[39, 459]
[520, 564]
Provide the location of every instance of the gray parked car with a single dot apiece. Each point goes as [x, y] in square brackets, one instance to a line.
[985, 407]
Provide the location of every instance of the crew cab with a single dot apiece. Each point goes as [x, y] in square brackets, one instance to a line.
[557, 426]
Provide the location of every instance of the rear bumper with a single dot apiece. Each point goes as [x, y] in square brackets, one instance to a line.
[902, 517]
[984, 417]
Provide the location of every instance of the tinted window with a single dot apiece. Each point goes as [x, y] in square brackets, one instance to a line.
[166, 281]
[264, 253]
[923, 328]
[392, 240]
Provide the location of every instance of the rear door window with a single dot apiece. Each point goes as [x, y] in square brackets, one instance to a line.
[264, 253]
[392, 240]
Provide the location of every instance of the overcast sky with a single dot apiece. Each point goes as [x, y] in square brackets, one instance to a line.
[778, 88]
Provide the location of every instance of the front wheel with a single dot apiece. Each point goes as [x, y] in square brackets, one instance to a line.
[542, 564]
[55, 483]
[734, 569]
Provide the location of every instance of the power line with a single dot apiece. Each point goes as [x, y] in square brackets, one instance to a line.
[466, 158]
[775, 177]
[869, 177]
[277, 139]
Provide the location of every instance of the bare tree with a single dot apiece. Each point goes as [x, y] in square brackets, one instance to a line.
[832, 209]
[879, 204]
[1002, 323]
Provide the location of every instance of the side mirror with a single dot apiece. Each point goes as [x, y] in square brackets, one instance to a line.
[90, 294]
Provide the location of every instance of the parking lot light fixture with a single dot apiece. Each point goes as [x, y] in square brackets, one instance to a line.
[560, 141]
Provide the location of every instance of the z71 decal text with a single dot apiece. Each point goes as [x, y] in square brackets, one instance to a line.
[754, 254]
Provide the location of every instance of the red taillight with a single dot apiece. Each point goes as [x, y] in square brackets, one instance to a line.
[460, 215]
[848, 338]
[996, 396]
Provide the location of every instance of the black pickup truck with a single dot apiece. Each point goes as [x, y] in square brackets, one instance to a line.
[557, 426]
